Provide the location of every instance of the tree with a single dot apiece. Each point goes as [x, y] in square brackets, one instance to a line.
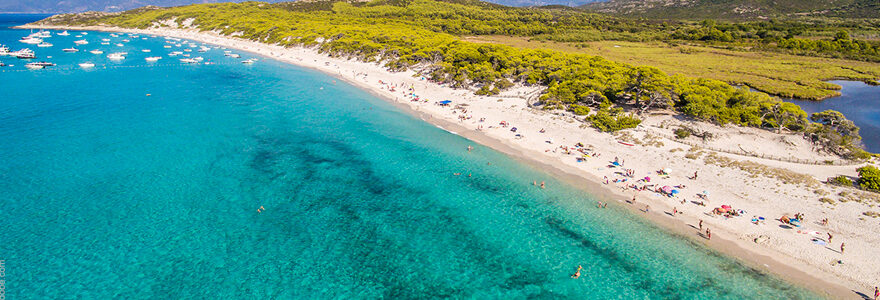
[833, 132]
[650, 87]
[783, 115]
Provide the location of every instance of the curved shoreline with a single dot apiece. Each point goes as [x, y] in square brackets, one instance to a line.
[761, 258]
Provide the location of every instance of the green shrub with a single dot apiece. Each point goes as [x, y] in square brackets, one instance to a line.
[842, 180]
[579, 110]
[613, 120]
[682, 133]
[869, 177]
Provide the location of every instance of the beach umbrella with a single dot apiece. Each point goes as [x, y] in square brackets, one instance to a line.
[667, 171]
[615, 163]
[725, 206]
[666, 189]
[648, 179]
[722, 210]
[674, 192]
[445, 102]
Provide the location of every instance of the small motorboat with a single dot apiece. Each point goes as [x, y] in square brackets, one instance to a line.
[81, 42]
[64, 33]
[96, 51]
[153, 58]
[44, 45]
[86, 65]
[70, 50]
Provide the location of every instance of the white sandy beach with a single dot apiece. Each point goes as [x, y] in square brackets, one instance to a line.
[766, 188]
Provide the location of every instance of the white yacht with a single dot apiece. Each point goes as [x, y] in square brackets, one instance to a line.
[70, 50]
[248, 61]
[119, 45]
[64, 33]
[105, 40]
[146, 51]
[34, 66]
[24, 54]
[235, 56]
[105, 43]
[86, 65]
[187, 50]
[125, 40]
[189, 61]
[199, 58]
[81, 42]
[4, 50]
[116, 56]
[43, 34]
[153, 58]
[166, 46]
[84, 33]
[31, 40]
[44, 45]
[96, 51]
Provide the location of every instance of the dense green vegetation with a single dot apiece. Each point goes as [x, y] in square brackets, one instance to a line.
[421, 35]
[737, 9]
[869, 178]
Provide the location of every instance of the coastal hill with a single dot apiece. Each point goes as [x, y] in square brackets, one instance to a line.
[737, 9]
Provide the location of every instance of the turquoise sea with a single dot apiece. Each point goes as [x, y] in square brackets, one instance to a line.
[107, 193]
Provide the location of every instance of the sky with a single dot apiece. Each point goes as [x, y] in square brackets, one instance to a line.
[63, 6]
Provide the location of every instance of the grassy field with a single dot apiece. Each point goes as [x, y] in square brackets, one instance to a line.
[782, 75]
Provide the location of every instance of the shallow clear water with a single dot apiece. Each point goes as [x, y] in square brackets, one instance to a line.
[106, 192]
[860, 103]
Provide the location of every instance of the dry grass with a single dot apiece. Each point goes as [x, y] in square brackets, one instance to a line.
[827, 200]
[694, 153]
[759, 170]
[775, 73]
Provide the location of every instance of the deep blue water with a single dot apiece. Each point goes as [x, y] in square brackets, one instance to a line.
[860, 103]
[108, 193]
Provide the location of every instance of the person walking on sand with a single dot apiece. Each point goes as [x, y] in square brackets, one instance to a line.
[674, 211]
[829, 237]
[647, 208]
[701, 224]
[577, 274]
[876, 292]
[708, 234]
[842, 246]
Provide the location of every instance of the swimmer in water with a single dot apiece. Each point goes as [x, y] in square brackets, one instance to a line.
[577, 274]
[470, 148]
[542, 184]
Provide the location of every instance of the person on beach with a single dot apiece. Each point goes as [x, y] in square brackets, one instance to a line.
[830, 237]
[701, 224]
[708, 234]
[647, 208]
[674, 211]
[842, 246]
[577, 274]
[876, 292]
[695, 175]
